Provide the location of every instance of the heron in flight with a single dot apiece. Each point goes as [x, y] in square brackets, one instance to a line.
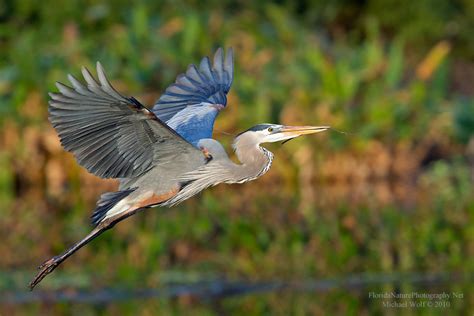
[162, 156]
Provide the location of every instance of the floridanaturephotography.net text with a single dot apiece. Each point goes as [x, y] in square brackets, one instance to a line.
[416, 299]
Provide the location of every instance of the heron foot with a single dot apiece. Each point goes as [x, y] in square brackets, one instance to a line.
[44, 269]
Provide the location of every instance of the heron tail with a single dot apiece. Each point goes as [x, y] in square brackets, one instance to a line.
[106, 202]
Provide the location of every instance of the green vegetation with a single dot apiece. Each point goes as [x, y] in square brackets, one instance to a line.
[393, 195]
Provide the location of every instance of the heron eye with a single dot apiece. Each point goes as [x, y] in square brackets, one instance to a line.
[270, 129]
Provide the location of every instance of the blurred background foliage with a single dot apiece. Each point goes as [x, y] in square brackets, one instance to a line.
[393, 195]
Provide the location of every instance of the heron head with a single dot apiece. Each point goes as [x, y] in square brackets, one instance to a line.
[269, 133]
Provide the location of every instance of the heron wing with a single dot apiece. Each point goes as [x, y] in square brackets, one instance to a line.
[191, 104]
[110, 135]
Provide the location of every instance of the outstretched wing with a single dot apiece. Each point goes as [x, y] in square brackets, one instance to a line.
[191, 104]
[110, 135]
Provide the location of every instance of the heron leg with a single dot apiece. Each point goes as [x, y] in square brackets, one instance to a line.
[49, 265]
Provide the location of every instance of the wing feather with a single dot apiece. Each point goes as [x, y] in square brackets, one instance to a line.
[198, 90]
[110, 135]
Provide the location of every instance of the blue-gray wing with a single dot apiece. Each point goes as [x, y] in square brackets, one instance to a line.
[191, 104]
[110, 135]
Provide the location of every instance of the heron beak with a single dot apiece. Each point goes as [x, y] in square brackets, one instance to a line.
[295, 131]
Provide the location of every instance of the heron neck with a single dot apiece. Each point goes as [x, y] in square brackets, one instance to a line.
[255, 160]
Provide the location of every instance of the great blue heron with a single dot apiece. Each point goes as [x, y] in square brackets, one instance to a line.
[163, 156]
